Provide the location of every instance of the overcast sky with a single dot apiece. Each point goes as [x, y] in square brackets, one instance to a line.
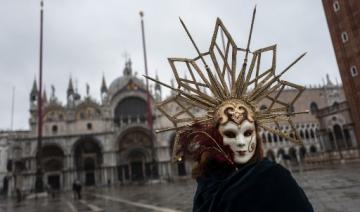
[88, 38]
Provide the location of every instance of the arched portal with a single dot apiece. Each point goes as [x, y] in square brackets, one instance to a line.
[52, 162]
[135, 158]
[87, 159]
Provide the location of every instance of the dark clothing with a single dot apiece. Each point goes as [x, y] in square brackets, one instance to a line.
[258, 187]
[77, 190]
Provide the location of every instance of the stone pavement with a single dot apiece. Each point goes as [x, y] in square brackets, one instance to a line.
[331, 189]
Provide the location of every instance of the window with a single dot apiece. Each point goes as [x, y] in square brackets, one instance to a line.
[344, 37]
[263, 108]
[313, 107]
[336, 6]
[354, 71]
[54, 129]
[89, 126]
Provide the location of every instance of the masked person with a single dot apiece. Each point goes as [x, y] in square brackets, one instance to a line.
[217, 120]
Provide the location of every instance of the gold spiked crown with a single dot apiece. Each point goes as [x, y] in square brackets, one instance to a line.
[226, 90]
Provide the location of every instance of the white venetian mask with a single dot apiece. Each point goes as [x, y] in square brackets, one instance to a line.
[240, 138]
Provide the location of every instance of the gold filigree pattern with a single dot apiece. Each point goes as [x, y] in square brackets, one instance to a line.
[228, 82]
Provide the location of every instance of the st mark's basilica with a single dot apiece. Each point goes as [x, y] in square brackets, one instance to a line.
[110, 142]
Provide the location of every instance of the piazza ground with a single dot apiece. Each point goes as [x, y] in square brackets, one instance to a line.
[333, 188]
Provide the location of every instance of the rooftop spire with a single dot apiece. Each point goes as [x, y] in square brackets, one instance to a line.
[70, 89]
[157, 85]
[34, 87]
[128, 69]
[44, 99]
[103, 88]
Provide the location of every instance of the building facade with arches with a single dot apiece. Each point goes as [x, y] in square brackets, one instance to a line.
[111, 142]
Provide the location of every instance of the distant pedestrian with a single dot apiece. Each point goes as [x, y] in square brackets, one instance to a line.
[18, 195]
[77, 189]
[51, 190]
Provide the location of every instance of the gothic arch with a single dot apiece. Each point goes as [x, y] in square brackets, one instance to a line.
[339, 136]
[293, 156]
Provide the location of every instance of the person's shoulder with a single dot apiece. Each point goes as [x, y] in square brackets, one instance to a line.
[273, 170]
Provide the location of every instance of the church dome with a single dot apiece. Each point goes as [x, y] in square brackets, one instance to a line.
[126, 82]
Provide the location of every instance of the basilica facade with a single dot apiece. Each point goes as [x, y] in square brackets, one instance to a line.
[111, 141]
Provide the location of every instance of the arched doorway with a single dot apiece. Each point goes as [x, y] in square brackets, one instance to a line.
[313, 150]
[339, 136]
[137, 160]
[293, 156]
[87, 159]
[135, 157]
[302, 153]
[52, 161]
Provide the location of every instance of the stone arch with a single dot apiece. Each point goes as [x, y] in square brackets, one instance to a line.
[135, 156]
[87, 110]
[52, 163]
[339, 136]
[302, 153]
[307, 136]
[87, 152]
[275, 138]
[312, 134]
[263, 137]
[313, 107]
[313, 149]
[293, 156]
[52, 157]
[301, 134]
[269, 138]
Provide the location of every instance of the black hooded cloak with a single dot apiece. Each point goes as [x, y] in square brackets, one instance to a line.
[256, 187]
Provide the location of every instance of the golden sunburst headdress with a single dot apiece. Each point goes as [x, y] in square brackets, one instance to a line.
[226, 90]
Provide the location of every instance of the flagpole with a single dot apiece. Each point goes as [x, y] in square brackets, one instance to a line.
[149, 111]
[39, 185]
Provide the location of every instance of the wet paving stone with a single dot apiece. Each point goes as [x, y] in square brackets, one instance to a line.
[335, 188]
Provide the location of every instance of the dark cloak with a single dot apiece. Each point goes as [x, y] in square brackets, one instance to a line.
[256, 187]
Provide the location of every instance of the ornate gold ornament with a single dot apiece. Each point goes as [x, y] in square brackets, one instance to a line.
[227, 90]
